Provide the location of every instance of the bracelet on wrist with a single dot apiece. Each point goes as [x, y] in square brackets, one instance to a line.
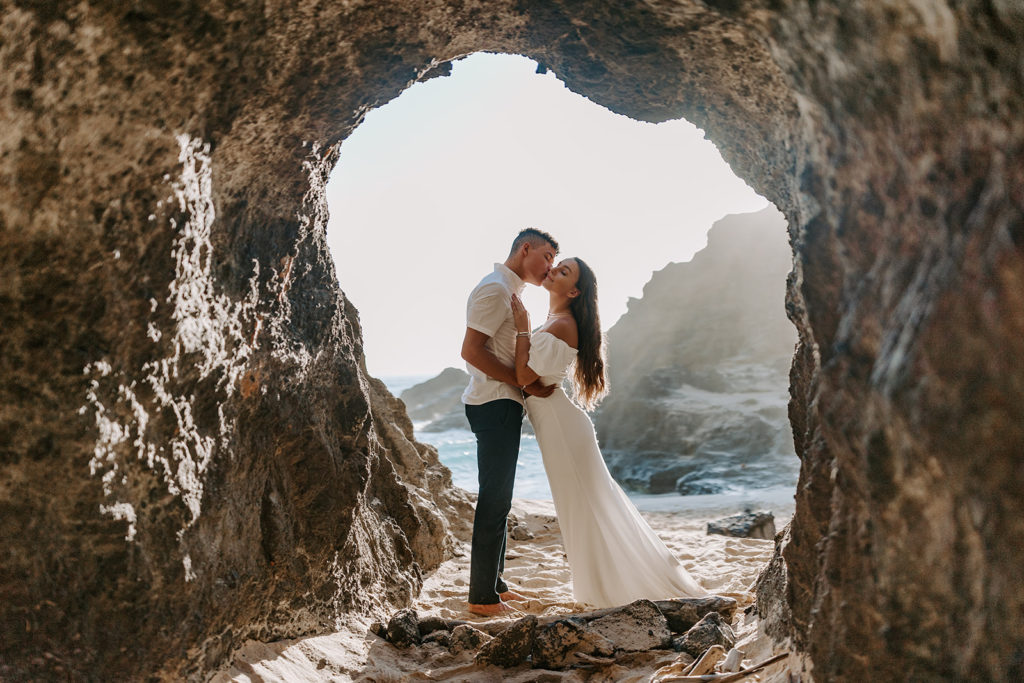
[522, 334]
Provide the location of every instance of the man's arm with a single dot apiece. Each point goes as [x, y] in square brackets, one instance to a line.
[476, 354]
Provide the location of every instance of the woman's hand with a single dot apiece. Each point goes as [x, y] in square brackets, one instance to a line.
[521, 315]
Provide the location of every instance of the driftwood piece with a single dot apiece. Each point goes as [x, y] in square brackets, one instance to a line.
[733, 661]
[726, 677]
[706, 664]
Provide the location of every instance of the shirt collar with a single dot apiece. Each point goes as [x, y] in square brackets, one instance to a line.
[511, 278]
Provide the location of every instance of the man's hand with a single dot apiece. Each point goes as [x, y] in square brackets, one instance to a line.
[535, 388]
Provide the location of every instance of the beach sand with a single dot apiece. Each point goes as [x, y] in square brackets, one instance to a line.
[537, 568]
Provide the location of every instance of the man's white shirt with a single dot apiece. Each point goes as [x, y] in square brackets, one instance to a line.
[489, 310]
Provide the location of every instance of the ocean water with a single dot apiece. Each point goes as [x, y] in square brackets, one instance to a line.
[456, 448]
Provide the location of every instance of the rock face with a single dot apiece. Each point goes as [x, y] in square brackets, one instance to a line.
[438, 401]
[191, 452]
[699, 367]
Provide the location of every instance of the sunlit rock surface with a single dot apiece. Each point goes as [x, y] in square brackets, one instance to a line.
[192, 453]
[699, 367]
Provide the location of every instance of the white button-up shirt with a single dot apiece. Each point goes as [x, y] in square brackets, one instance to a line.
[489, 310]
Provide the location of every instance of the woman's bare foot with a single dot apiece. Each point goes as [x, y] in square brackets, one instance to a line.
[498, 609]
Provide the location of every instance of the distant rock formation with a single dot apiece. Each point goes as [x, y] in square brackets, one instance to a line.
[699, 368]
[438, 401]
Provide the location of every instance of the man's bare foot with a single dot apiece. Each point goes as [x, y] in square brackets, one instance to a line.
[511, 596]
[498, 609]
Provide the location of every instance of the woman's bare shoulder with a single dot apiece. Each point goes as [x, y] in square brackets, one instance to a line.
[564, 329]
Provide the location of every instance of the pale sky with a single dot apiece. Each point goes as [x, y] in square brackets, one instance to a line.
[432, 187]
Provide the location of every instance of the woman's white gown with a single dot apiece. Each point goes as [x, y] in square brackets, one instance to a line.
[614, 556]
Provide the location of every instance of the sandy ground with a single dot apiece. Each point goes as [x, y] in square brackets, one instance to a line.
[536, 568]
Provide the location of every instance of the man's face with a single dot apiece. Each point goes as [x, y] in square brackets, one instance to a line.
[537, 262]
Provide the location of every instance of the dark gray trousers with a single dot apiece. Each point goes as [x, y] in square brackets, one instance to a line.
[497, 426]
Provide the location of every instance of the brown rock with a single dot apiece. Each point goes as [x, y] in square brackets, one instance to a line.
[512, 646]
[638, 626]
[430, 623]
[745, 525]
[709, 631]
[557, 644]
[682, 613]
[521, 532]
[404, 628]
[465, 637]
[440, 638]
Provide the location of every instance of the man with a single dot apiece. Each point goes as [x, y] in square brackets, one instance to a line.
[494, 406]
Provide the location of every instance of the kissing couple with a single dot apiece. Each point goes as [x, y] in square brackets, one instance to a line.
[614, 556]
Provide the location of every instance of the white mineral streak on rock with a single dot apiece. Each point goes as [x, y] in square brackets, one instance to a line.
[208, 330]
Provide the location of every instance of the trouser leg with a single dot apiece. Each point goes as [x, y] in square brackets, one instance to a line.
[497, 426]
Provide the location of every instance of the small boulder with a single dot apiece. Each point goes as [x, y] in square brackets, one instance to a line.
[521, 532]
[440, 637]
[404, 628]
[430, 623]
[512, 646]
[378, 628]
[465, 637]
[683, 613]
[557, 644]
[711, 630]
[748, 524]
[638, 626]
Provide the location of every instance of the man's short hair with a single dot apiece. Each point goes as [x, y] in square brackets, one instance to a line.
[535, 237]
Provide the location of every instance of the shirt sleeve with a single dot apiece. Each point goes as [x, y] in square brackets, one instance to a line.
[487, 308]
[549, 355]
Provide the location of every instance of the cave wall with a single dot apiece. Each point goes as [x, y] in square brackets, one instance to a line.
[191, 451]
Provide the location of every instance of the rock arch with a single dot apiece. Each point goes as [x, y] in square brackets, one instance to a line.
[192, 452]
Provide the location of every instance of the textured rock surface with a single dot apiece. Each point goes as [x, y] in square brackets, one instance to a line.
[404, 628]
[683, 613]
[512, 646]
[699, 368]
[191, 450]
[556, 644]
[706, 633]
[465, 637]
[748, 524]
[639, 626]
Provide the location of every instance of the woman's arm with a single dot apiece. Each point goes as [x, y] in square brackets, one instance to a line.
[524, 375]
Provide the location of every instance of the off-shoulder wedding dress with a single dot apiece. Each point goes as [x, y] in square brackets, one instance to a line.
[614, 555]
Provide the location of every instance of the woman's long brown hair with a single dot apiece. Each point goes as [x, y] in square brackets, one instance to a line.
[589, 380]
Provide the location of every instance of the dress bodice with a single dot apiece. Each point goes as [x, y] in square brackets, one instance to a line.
[550, 357]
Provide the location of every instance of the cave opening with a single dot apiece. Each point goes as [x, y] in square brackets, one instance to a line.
[437, 181]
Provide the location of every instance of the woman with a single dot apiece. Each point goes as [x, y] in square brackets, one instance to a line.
[613, 554]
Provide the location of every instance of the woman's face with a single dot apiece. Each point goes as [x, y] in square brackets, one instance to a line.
[562, 278]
